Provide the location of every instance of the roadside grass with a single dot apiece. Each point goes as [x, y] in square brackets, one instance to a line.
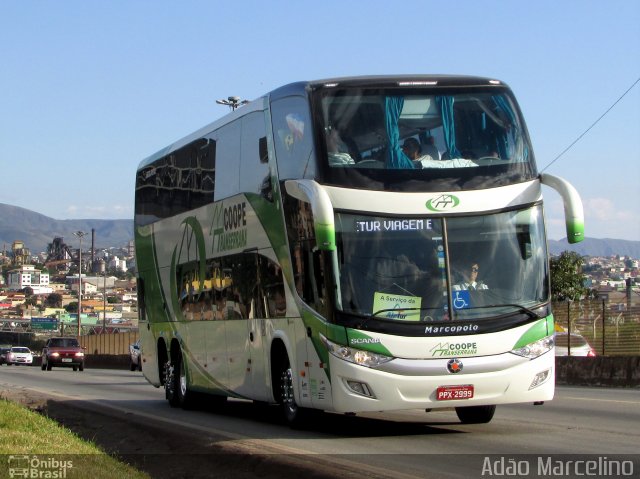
[31, 441]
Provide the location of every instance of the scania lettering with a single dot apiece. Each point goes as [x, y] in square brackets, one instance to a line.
[291, 252]
[364, 341]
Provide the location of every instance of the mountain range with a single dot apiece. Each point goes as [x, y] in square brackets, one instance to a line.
[597, 247]
[36, 231]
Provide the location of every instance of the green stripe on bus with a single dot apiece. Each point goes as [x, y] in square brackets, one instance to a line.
[540, 329]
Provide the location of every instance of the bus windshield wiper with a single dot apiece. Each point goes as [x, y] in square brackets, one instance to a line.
[521, 309]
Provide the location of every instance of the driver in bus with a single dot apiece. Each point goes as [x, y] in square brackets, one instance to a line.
[471, 280]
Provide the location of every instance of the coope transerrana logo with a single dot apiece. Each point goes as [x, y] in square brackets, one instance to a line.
[443, 203]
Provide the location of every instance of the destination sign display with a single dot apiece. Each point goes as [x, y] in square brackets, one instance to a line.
[373, 225]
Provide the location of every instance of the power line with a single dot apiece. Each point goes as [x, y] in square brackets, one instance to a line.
[592, 125]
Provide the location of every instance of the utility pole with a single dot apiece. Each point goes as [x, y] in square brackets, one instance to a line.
[80, 235]
[104, 302]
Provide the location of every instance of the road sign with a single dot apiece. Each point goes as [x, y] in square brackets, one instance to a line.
[49, 324]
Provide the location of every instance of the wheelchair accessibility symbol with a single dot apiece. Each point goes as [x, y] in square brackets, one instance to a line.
[461, 300]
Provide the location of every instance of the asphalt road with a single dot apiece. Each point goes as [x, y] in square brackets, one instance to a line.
[599, 424]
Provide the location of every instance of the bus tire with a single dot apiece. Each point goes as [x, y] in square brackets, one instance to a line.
[175, 385]
[296, 417]
[475, 414]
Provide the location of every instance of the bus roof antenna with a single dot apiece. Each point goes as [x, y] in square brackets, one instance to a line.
[232, 102]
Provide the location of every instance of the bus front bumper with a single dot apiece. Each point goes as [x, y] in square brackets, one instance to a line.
[412, 384]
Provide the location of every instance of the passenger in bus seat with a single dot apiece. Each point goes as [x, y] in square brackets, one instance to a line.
[471, 281]
[426, 161]
[411, 148]
[429, 148]
[277, 301]
[337, 149]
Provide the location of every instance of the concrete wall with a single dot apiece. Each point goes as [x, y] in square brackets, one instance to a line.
[117, 343]
[620, 371]
[608, 371]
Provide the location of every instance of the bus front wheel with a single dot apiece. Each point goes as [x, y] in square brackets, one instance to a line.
[475, 414]
[289, 406]
[294, 415]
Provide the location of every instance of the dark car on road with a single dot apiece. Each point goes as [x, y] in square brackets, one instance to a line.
[4, 350]
[64, 352]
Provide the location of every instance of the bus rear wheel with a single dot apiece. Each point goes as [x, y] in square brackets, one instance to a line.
[475, 414]
[175, 384]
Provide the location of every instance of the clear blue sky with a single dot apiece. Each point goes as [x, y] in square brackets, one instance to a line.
[88, 89]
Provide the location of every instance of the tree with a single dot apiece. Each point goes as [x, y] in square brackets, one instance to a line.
[54, 300]
[72, 307]
[567, 280]
[28, 291]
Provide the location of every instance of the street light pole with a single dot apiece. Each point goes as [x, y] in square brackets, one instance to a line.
[80, 235]
[232, 102]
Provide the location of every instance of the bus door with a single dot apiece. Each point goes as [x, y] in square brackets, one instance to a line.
[232, 309]
[246, 306]
[237, 331]
[261, 380]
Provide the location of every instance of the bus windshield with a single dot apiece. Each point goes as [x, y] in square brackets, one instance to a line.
[401, 269]
[474, 138]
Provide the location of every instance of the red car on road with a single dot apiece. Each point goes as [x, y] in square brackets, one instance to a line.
[65, 352]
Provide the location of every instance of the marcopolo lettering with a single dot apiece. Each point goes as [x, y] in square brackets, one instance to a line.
[466, 328]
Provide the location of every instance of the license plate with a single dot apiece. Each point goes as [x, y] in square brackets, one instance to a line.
[449, 393]
[66, 360]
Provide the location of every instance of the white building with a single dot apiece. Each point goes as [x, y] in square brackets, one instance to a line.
[118, 264]
[28, 276]
[88, 287]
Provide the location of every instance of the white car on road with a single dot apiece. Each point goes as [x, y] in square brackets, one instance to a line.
[574, 343]
[19, 355]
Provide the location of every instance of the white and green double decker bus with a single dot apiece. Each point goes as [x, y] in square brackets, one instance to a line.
[349, 245]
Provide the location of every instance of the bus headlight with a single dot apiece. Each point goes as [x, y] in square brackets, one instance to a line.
[535, 349]
[355, 356]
